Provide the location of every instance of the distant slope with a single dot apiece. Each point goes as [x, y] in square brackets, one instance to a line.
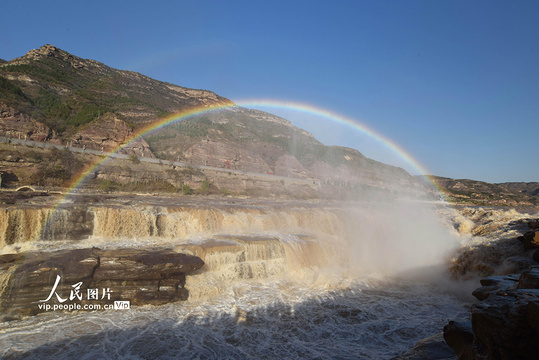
[51, 95]
[483, 193]
[524, 188]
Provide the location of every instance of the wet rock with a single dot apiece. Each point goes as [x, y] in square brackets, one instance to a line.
[516, 264]
[530, 240]
[534, 224]
[484, 292]
[92, 276]
[536, 255]
[529, 279]
[459, 336]
[500, 281]
[501, 328]
[505, 324]
[432, 348]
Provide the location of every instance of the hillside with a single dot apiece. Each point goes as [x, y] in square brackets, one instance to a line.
[483, 193]
[53, 96]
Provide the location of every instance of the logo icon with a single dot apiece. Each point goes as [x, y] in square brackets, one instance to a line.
[122, 305]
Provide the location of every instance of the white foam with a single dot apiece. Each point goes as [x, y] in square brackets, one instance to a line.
[368, 318]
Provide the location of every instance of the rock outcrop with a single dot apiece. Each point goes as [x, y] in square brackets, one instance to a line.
[15, 124]
[108, 134]
[505, 324]
[530, 240]
[95, 277]
[431, 348]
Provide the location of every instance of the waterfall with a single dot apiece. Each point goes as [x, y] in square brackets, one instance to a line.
[304, 274]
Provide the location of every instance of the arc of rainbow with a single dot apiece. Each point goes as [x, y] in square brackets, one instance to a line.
[300, 107]
[287, 105]
[354, 124]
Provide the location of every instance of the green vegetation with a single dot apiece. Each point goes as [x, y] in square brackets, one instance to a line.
[134, 159]
[88, 95]
[60, 167]
[34, 156]
[51, 105]
[8, 88]
[47, 70]
[186, 190]
[204, 187]
[194, 128]
[86, 113]
[160, 137]
[141, 186]
[58, 115]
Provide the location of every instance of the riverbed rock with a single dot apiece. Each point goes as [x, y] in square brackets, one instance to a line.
[30, 281]
[530, 240]
[431, 348]
[459, 336]
[529, 279]
[534, 224]
[505, 324]
[501, 329]
[536, 255]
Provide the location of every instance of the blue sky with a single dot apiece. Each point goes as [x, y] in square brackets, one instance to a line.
[454, 83]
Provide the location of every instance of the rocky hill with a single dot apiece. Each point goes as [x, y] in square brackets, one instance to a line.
[483, 193]
[51, 95]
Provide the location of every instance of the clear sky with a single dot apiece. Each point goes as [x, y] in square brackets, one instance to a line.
[454, 83]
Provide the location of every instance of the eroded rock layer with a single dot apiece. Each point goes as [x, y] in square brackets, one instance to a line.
[31, 281]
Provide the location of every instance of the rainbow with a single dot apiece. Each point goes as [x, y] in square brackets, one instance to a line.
[286, 105]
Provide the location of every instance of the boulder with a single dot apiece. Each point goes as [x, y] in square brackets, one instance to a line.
[534, 224]
[484, 292]
[530, 240]
[505, 324]
[536, 255]
[432, 348]
[529, 279]
[30, 281]
[459, 336]
[501, 329]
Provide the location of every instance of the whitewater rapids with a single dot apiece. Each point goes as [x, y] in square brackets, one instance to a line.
[289, 281]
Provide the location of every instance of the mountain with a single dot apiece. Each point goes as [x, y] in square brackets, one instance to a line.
[51, 95]
[483, 193]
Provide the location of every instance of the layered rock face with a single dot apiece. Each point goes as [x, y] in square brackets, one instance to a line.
[108, 134]
[505, 323]
[31, 281]
[14, 123]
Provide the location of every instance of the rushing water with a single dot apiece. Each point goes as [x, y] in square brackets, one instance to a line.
[322, 283]
[370, 319]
